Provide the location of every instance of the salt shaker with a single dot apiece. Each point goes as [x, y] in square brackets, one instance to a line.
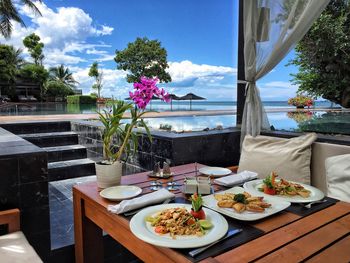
[156, 169]
[166, 168]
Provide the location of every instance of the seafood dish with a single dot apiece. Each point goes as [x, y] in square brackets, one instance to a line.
[282, 187]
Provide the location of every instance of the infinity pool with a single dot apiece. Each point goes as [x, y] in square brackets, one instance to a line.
[320, 121]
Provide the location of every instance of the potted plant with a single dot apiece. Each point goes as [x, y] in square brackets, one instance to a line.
[109, 170]
[301, 101]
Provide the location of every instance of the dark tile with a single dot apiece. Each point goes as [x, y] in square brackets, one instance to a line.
[9, 190]
[34, 194]
[33, 168]
[35, 219]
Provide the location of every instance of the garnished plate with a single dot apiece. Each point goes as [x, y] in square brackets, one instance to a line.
[276, 206]
[315, 194]
[144, 230]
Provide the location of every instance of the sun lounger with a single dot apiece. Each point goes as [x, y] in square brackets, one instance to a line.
[31, 98]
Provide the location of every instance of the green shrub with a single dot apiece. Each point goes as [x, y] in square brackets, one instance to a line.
[57, 89]
[81, 99]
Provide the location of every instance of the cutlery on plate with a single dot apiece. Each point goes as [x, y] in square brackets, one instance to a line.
[230, 233]
[308, 206]
[133, 212]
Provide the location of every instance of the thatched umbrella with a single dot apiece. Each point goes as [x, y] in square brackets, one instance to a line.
[190, 97]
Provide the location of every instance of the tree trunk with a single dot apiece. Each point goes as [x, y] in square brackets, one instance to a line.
[345, 102]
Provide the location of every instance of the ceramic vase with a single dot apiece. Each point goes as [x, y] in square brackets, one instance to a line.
[108, 174]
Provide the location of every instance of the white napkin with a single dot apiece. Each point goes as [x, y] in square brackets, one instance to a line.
[236, 178]
[148, 199]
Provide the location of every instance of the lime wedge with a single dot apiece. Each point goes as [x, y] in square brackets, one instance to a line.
[205, 224]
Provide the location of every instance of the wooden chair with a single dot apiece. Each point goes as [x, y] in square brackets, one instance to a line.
[14, 247]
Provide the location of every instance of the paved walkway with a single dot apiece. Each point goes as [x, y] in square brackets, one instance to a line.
[85, 116]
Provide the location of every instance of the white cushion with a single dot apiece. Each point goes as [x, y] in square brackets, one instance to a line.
[290, 158]
[320, 152]
[338, 177]
[14, 248]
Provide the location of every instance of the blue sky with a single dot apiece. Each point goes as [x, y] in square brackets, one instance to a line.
[199, 35]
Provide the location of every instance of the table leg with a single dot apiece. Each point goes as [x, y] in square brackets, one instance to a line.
[88, 236]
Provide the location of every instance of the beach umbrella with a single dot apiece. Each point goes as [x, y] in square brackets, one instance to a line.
[190, 97]
[173, 97]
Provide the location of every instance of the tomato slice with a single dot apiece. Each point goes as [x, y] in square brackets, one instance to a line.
[198, 214]
[269, 191]
[160, 229]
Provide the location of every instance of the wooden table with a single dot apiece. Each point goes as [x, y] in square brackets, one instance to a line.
[323, 236]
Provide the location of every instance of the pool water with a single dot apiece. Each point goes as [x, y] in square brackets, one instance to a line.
[320, 121]
[323, 122]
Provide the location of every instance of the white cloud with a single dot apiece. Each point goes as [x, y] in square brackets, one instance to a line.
[114, 83]
[64, 31]
[278, 84]
[185, 73]
[277, 90]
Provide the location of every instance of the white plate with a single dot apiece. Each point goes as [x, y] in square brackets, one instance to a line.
[117, 193]
[144, 231]
[315, 195]
[214, 171]
[276, 206]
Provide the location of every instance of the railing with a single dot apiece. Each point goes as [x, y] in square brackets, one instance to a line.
[8, 106]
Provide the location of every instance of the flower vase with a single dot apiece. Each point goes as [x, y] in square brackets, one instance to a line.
[108, 174]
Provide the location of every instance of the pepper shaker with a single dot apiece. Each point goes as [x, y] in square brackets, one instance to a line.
[166, 168]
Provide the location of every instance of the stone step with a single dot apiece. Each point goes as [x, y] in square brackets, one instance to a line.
[52, 138]
[65, 152]
[37, 127]
[70, 169]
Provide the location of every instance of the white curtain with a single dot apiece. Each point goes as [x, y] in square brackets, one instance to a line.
[271, 29]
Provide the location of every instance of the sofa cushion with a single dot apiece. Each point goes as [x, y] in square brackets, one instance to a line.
[14, 248]
[290, 158]
[338, 177]
[320, 152]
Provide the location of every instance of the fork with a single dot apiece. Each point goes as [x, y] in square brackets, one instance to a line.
[133, 212]
[308, 206]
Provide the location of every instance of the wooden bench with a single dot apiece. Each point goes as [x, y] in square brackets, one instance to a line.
[14, 247]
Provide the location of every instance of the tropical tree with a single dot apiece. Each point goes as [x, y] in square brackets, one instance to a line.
[143, 57]
[323, 56]
[55, 88]
[10, 62]
[63, 75]
[96, 73]
[35, 48]
[8, 12]
[36, 74]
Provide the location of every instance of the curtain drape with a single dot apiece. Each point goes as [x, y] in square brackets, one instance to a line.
[271, 29]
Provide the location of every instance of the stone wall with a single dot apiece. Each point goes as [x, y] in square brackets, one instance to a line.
[216, 147]
[24, 185]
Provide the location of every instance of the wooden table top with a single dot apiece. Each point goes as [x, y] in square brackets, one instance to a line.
[319, 237]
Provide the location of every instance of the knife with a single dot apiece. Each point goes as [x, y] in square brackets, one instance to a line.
[230, 233]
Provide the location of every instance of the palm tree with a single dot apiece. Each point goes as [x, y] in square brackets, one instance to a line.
[15, 57]
[62, 74]
[9, 12]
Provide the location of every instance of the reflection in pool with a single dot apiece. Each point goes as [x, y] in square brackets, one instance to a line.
[324, 122]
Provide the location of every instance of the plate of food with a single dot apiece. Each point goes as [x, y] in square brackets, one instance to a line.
[174, 226]
[285, 190]
[239, 204]
[215, 171]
